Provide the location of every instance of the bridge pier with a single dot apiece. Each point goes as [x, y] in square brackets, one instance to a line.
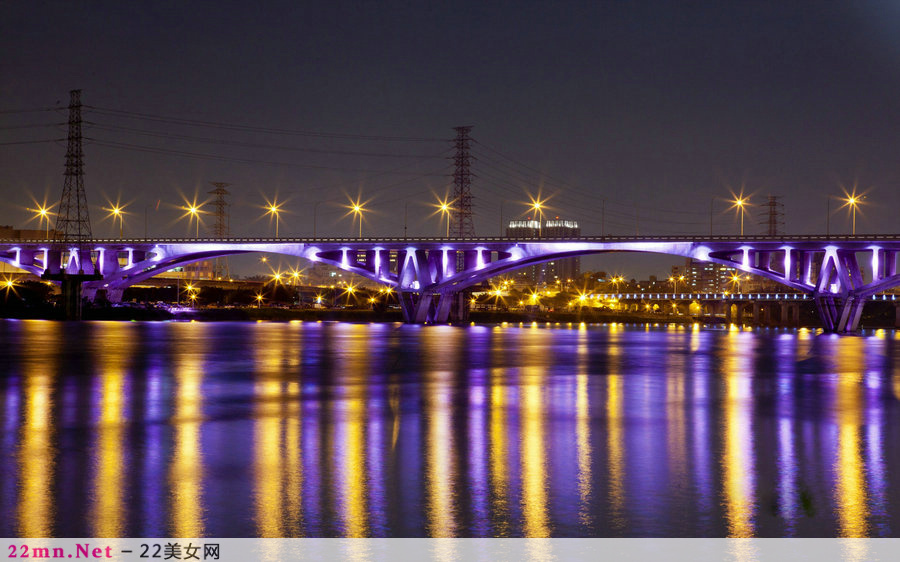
[790, 315]
[433, 308]
[897, 315]
[839, 315]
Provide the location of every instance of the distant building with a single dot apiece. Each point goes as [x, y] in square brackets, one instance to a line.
[548, 273]
[9, 233]
[708, 277]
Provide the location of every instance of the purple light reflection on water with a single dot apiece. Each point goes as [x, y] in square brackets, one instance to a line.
[332, 429]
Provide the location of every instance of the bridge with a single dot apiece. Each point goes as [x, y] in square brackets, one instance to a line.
[839, 273]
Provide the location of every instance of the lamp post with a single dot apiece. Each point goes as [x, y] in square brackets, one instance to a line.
[193, 213]
[853, 202]
[272, 209]
[43, 213]
[357, 209]
[740, 202]
[117, 213]
[443, 206]
[736, 281]
[538, 207]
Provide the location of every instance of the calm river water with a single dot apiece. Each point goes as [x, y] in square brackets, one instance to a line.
[334, 429]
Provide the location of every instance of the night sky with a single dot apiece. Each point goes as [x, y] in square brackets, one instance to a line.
[649, 111]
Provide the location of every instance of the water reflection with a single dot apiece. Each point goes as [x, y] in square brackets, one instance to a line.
[37, 453]
[108, 512]
[614, 434]
[738, 455]
[374, 430]
[850, 488]
[186, 501]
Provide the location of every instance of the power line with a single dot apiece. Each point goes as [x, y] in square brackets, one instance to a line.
[34, 126]
[30, 142]
[254, 145]
[251, 128]
[36, 110]
[219, 158]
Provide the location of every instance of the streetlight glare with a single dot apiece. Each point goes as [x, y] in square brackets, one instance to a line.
[192, 211]
[116, 212]
[357, 208]
[273, 209]
[42, 213]
[738, 203]
[444, 207]
[852, 200]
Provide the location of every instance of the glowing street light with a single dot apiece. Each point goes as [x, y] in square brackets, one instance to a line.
[192, 212]
[538, 205]
[273, 208]
[259, 299]
[357, 209]
[443, 206]
[736, 279]
[852, 201]
[739, 202]
[117, 212]
[674, 281]
[43, 213]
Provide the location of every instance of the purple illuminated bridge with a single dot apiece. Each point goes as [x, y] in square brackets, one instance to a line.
[430, 274]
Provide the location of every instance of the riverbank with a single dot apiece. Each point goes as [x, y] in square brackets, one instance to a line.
[874, 317]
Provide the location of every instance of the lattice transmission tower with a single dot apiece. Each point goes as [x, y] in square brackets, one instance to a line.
[73, 222]
[221, 227]
[461, 223]
[774, 217]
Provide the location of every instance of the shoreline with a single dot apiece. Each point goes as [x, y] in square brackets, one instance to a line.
[127, 314]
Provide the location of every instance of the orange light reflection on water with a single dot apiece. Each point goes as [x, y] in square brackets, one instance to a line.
[107, 513]
[186, 466]
[36, 458]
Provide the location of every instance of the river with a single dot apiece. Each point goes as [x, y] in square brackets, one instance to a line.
[189, 429]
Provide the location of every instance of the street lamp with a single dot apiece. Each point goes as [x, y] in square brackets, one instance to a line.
[272, 209]
[739, 203]
[357, 209]
[853, 201]
[43, 213]
[674, 281]
[537, 205]
[736, 281]
[192, 212]
[117, 212]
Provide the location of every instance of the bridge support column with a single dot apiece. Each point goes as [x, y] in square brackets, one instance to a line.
[790, 314]
[756, 314]
[897, 315]
[459, 309]
[840, 315]
[728, 307]
[428, 308]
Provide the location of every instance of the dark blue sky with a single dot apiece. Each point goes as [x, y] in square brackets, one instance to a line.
[656, 108]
